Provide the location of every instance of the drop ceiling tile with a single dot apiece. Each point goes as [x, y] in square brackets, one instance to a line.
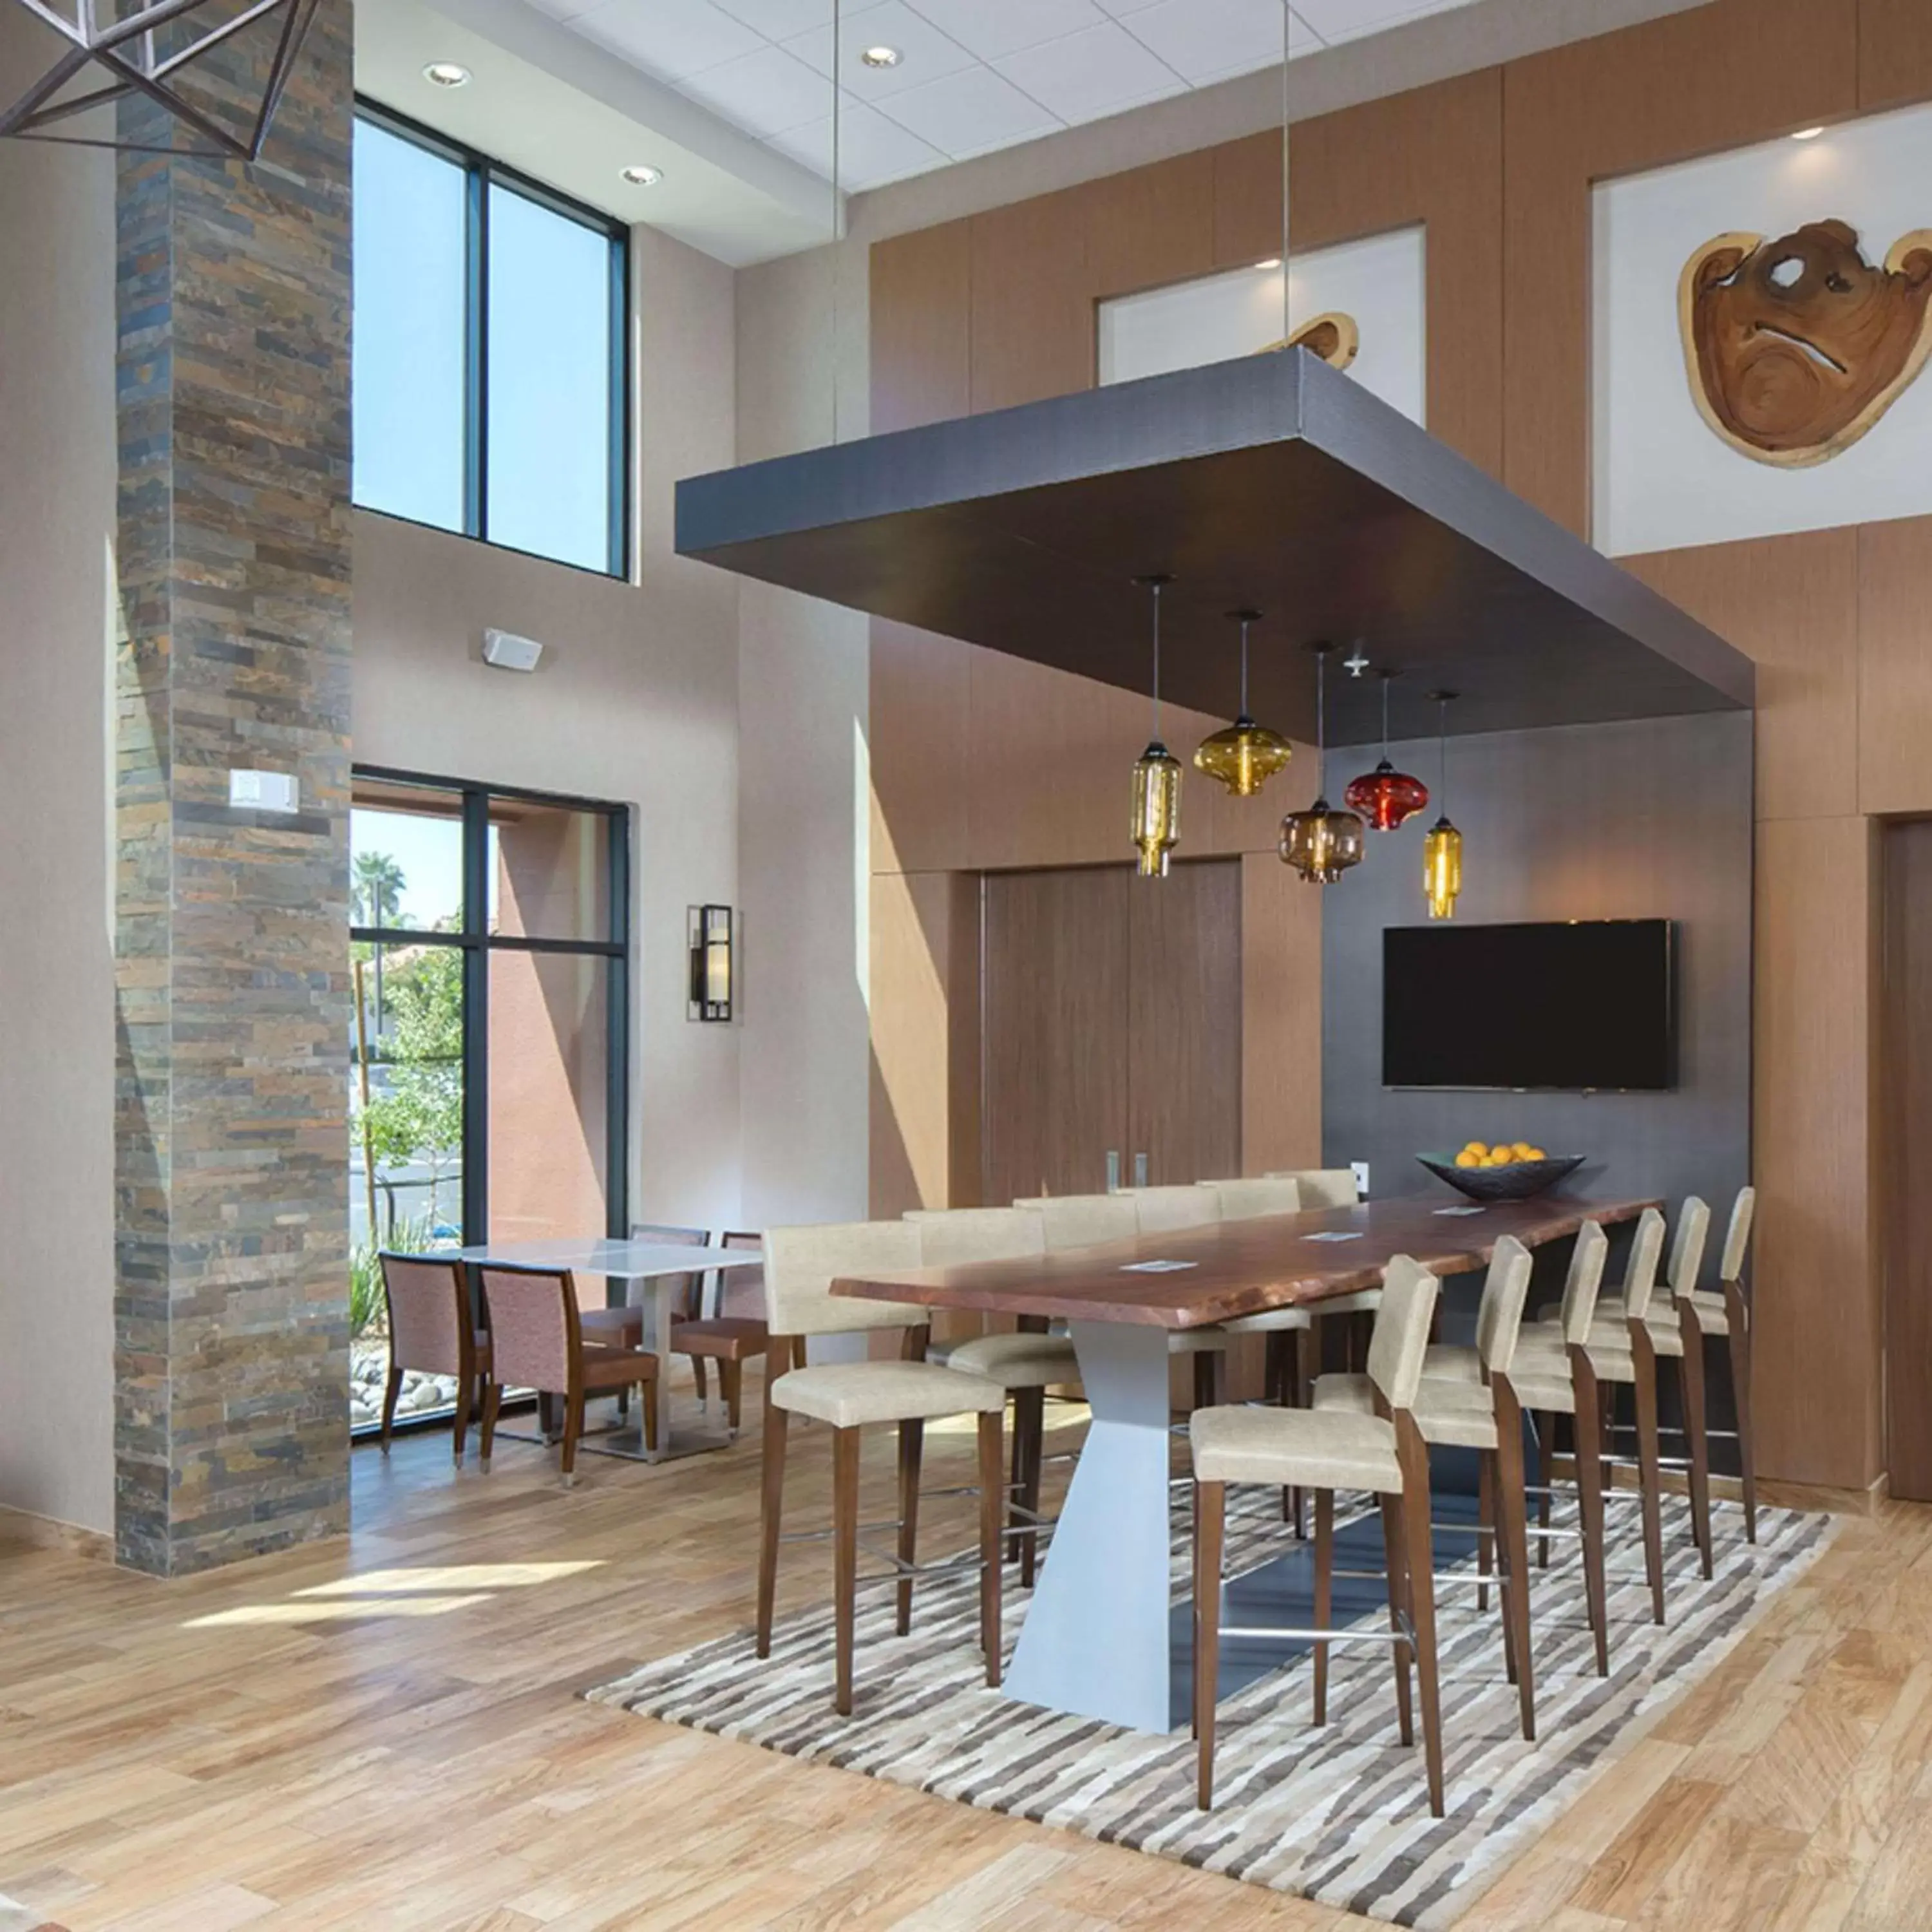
[764, 93]
[669, 38]
[1097, 71]
[1349, 19]
[970, 112]
[872, 150]
[779, 20]
[928, 53]
[1206, 40]
[992, 28]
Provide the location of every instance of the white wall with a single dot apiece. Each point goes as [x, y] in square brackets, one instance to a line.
[1663, 477]
[635, 701]
[804, 676]
[1380, 281]
[57, 483]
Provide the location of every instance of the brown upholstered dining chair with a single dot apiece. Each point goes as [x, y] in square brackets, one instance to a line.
[430, 1331]
[537, 1341]
[729, 1340]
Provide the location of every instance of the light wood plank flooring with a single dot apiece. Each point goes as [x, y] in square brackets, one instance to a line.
[384, 1733]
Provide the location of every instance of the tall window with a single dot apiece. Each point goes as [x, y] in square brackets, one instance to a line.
[490, 390]
[489, 1068]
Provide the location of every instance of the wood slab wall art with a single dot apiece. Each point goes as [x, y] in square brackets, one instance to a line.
[1333, 335]
[1795, 347]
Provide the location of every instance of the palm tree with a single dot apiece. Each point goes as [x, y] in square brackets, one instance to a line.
[376, 898]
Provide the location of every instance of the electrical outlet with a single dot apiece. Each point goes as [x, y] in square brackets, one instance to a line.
[1361, 1167]
[264, 791]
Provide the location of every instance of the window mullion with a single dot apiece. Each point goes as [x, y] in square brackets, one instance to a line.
[476, 440]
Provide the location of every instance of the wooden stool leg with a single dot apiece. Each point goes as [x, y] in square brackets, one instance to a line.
[1650, 1470]
[844, 1560]
[731, 1375]
[1590, 1503]
[912, 1446]
[390, 1394]
[991, 1510]
[1324, 1593]
[461, 1427]
[701, 1382]
[573, 1427]
[1546, 1471]
[1422, 1597]
[647, 1405]
[1485, 1527]
[1205, 1360]
[1512, 1515]
[1029, 1427]
[772, 1513]
[1394, 1540]
[1691, 1380]
[1210, 1518]
[493, 1396]
[1738, 1317]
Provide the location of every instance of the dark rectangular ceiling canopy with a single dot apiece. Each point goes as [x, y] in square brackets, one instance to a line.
[1273, 482]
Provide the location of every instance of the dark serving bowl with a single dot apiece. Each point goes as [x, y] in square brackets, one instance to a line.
[1519, 1181]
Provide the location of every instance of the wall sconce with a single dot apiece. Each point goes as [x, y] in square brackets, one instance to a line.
[710, 927]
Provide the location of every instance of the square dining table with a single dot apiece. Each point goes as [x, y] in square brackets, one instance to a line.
[648, 1270]
[1096, 1640]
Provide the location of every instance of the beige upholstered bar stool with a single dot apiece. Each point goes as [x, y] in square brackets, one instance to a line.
[1324, 1450]
[1026, 1365]
[1485, 1416]
[1329, 1187]
[1723, 1314]
[1290, 1372]
[1090, 1220]
[1180, 1210]
[801, 1263]
[1565, 1385]
[1622, 1353]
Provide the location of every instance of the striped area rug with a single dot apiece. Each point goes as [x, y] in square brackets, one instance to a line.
[15, 1917]
[1339, 1814]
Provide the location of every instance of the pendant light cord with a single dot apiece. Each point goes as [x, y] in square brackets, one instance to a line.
[1285, 327]
[1442, 756]
[838, 215]
[1245, 622]
[1155, 588]
[1385, 686]
[1321, 723]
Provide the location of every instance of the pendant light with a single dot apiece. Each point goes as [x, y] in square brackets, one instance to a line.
[1246, 755]
[1156, 774]
[1319, 843]
[1442, 850]
[1386, 796]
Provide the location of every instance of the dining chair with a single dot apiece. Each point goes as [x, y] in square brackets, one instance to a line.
[1322, 1188]
[728, 1341]
[431, 1331]
[537, 1340]
[1621, 1352]
[1723, 1314]
[1482, 1414]
[1177, 1210]
[747, 1285]
[1026, 1364]
[1324, 1450]
[801, 1263]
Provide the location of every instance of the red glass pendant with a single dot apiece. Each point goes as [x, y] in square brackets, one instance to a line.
[1386, 796]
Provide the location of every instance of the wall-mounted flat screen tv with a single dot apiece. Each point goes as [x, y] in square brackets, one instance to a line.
[1588, 1004]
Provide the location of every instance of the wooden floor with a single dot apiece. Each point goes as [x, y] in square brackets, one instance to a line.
[384, 1733]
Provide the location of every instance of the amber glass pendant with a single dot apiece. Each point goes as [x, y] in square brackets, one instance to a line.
[1442, 868]
[1322, 844]
[1156, 808]
[1246, 755]
[1385, 796]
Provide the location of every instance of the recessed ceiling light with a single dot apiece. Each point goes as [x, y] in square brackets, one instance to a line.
[1273, 262]
[643, 175]
[882, 56]
[446, 73]
[1807, 133]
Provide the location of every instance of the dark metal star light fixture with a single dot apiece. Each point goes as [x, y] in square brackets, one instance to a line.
[150, 49]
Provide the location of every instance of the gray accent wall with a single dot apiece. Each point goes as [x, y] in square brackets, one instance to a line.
[1650, 820]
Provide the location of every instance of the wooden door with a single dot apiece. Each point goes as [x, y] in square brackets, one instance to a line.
[1111, 1022]
[1907, 1158]
[1184, 1023]
[1054, 978]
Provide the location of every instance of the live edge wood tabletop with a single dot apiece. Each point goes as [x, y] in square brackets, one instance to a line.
[1241, 1268]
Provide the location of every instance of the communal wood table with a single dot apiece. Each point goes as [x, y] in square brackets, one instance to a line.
[1096, 1639]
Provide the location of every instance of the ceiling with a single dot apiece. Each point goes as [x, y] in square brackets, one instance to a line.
[974, 75]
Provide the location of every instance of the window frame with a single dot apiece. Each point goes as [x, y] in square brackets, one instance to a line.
[476, 943]
[481, 172]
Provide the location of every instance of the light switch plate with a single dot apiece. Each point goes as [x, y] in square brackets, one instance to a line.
[1361, 1168]
[264, 791]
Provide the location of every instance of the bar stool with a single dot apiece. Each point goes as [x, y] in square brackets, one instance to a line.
[1026, 1365]
[1325, 1450]
[800, 1265]
[1723, 1314]
[1331, 1187]
[1483, 1415]
[1621, 1352]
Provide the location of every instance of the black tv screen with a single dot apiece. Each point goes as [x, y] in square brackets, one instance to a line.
[1587, 1004]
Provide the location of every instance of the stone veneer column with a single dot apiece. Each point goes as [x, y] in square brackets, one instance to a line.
[231, 1309]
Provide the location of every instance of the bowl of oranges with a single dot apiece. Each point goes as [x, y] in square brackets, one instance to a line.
[1508, 1170]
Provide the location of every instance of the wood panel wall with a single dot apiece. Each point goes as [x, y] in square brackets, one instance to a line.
[978, 760]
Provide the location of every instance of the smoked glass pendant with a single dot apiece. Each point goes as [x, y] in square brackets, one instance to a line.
[1322, 844]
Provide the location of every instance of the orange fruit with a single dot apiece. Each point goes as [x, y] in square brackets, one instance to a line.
[1466, 1158]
